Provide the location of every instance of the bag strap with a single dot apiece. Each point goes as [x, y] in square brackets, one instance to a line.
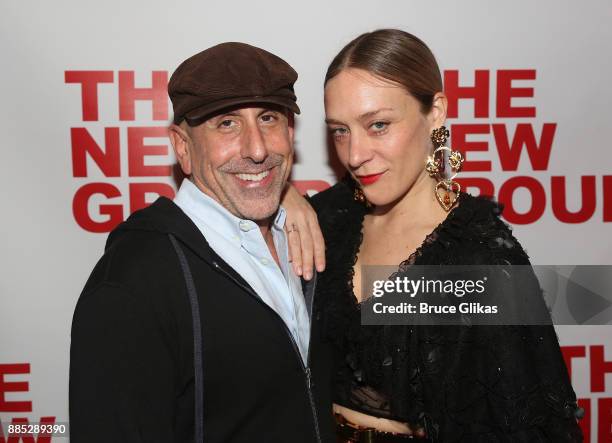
[197, 341]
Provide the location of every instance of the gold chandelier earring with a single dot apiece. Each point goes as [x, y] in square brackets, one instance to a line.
[447, 190]
[360, 197]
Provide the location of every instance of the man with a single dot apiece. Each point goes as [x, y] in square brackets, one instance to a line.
[192, 326]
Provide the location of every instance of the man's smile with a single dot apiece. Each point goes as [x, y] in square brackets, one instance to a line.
[256, 180]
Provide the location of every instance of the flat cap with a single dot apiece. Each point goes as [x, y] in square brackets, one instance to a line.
[226, 75]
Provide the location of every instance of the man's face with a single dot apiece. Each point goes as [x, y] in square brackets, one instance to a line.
[241, 158]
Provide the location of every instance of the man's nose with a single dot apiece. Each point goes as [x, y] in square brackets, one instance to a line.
[359, 151]
[253, 145]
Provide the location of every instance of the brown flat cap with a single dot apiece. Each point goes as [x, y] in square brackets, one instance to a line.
[230, 74]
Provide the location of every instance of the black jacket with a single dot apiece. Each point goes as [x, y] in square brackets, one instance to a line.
[132, 355]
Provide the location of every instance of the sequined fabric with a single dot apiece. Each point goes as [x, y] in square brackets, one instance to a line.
[462, 384]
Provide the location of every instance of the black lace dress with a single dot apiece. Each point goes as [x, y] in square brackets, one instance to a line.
[462, 384]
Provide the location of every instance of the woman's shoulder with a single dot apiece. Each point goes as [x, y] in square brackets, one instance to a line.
[478, 216]
[474, 233]
[337, 205]
[340, 194]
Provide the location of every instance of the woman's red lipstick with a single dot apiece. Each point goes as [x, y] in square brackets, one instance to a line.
[369, 179]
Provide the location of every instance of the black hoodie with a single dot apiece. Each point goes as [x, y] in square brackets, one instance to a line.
[132, 350]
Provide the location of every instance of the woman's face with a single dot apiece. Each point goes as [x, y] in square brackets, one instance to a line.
[380, 134]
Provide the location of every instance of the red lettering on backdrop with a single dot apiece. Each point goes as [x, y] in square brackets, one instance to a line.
[509, 146]
[80, 207]
[139, 191]
[505, 93]
[459, 133]
[484, 185]
[599, 369]
[509, 153]
[479, 93]
[585, 422]
[19, 406]
[539, 153]
[607, 198]
[538, 199]
[604, 420]
[89, 81]
[14, 386]
[108, 160]
[43, 437]
[559, 200]
[137, 151]
[571, 352]
[157, 94]
[107, 156]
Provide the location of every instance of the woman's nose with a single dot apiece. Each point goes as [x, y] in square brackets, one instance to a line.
[359, 152]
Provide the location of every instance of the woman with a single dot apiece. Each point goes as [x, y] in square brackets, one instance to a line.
[385, 111]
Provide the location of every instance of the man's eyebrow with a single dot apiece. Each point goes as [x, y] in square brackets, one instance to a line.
[271, 109]
[224, 114]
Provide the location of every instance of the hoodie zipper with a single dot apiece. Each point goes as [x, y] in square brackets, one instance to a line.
[305, 367]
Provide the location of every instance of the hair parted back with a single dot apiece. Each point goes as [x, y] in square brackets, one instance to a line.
[393, 55]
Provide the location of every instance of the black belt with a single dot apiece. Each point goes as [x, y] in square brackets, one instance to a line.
[350, 433]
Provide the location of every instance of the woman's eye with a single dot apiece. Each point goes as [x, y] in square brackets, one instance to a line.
[379, 126]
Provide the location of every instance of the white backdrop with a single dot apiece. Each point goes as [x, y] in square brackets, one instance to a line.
[552, 56]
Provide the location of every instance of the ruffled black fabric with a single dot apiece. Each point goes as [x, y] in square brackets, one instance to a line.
[462, 384]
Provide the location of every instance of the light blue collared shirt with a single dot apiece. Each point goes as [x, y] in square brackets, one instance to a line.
[241, 244]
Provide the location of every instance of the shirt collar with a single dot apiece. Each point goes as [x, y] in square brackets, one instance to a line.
[216, 216]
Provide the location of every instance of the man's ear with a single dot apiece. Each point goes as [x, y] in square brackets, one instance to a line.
[180, 143]
[437, 114]
[291, 125]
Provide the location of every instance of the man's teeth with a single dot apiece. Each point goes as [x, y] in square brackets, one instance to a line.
[253, 177]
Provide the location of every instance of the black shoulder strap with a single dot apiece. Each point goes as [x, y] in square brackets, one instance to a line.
[197, 341]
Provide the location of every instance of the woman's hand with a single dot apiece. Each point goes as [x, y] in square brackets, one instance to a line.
[306, 244]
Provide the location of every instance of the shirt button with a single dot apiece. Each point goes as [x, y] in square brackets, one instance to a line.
[264, 261]
[244, 226]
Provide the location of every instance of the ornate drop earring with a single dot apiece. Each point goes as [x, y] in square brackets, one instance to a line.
[360, 197]
[436, 165]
